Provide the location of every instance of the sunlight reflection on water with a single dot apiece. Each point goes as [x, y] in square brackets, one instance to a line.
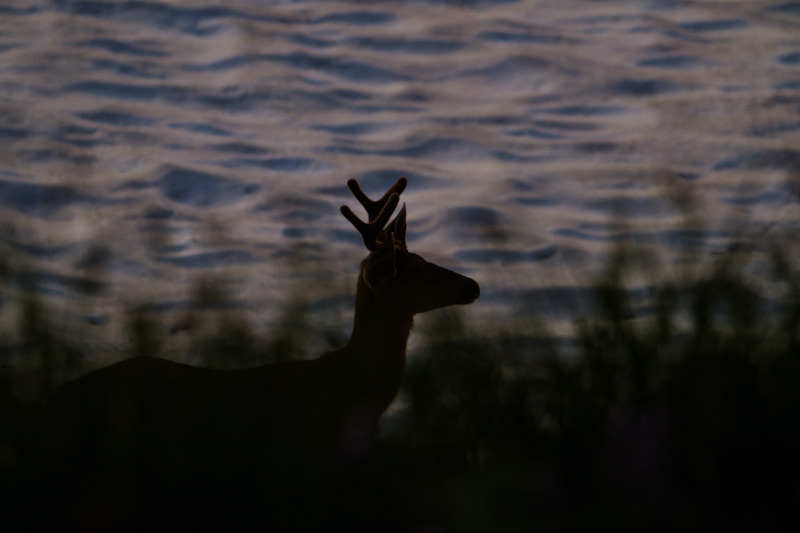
[192, 139]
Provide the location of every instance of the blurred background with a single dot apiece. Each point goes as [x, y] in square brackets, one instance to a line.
[622, 177]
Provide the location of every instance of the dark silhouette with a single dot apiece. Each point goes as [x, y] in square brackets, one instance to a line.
[283, 446]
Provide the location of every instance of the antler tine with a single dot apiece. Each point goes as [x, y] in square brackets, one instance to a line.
[369, 232]
[398, 226]
[373, 207]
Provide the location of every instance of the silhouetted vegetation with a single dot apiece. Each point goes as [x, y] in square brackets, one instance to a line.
[682, 414]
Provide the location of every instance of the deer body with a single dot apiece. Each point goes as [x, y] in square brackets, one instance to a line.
[135, 433]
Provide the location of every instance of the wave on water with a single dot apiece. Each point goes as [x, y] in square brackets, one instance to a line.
[202, 136]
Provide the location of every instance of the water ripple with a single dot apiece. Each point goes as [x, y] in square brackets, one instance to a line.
[200, 189]
[313, 42]
[535, 133]
[7, 10]
[42, 201]
[506, 257]
[143, 70]
[125, 91]
[359, 128]
[565, 126]
[676, 62]
[586, 110]
[705, 26]
[204, 260]
[36, 250]
[229, 63]
[117, 118]
[765, 159]
[772, 129]
[172, 94]
[514, 67]
[520, 37]
[343, 68]
[645, 87]
[13, 134]
[43, 281]
[286, 164]
[792, 8]
[433, 147]
[407, 46]
[206, 129]
[192, 20]
[119, 47]
[240, 148]
[792, 59]
[359, 18]
[630, 207]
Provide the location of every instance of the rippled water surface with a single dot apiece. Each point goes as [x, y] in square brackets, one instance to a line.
[145, 145]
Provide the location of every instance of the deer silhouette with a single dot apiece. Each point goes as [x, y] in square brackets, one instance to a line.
[147, 437]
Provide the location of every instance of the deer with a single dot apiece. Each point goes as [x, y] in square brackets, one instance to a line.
[147, 437]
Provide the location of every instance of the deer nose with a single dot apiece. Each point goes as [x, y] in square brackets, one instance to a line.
[472, 290]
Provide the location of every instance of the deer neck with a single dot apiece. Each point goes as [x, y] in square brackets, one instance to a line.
[375, 355]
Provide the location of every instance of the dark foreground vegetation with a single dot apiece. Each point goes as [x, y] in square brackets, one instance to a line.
[685, 418]
[679, 412]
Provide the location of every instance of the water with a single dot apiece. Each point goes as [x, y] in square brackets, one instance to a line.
[147, 145]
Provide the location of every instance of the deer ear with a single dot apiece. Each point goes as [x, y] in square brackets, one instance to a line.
[381, 263]
[398, 226]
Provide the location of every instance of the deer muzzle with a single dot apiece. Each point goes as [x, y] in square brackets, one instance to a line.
[472, 291]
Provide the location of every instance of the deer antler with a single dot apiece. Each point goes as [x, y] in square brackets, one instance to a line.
[374, 207]
[378, 211]
[397, 227]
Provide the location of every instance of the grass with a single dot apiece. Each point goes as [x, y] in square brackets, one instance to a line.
[683, 415]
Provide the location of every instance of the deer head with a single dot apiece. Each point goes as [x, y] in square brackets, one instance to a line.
[401, 283]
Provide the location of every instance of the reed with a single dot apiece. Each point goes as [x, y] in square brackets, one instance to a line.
[679, 413]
